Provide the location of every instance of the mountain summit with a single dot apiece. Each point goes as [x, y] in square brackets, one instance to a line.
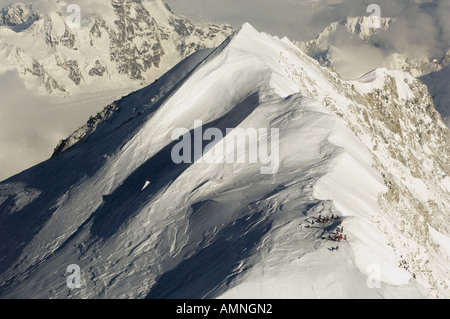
[357, 207]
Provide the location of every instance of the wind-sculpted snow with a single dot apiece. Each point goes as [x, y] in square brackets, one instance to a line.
[363, 167]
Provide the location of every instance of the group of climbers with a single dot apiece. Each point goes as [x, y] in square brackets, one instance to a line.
[326, 219]
[339, 233]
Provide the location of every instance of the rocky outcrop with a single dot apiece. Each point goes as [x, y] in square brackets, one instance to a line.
[17, 14]
[133, 42]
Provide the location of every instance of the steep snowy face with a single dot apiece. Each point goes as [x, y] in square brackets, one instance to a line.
[370, 155]
[410, 144]
[65, 48]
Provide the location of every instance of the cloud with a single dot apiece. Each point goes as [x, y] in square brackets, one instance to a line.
[282, 17]
[24, 138]
[418, 32]
[352, 57]
[31, 125]
[421, 30]
[87, 7]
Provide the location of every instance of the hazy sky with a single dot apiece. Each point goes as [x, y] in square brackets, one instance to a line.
[421, 30]
[31, 125]
[297, 19]
[279, 17]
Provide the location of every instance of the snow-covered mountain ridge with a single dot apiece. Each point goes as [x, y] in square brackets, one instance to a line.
[334, 46]
[373, 151]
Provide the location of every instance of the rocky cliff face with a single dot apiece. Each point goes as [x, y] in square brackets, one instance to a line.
[393, 114]
[18, 14]
[411, 148]
[325, 48]
[134, 42]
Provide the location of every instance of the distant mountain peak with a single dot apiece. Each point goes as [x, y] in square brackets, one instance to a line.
[17, 15]
[130, 42]
[341, 31]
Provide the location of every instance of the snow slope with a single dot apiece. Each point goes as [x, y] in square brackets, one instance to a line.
[354, 49]
[140, 226]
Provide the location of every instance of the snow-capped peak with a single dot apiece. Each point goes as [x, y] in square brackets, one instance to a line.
[128, 42]
[16, 14]
[139, 224]
[358, 27]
